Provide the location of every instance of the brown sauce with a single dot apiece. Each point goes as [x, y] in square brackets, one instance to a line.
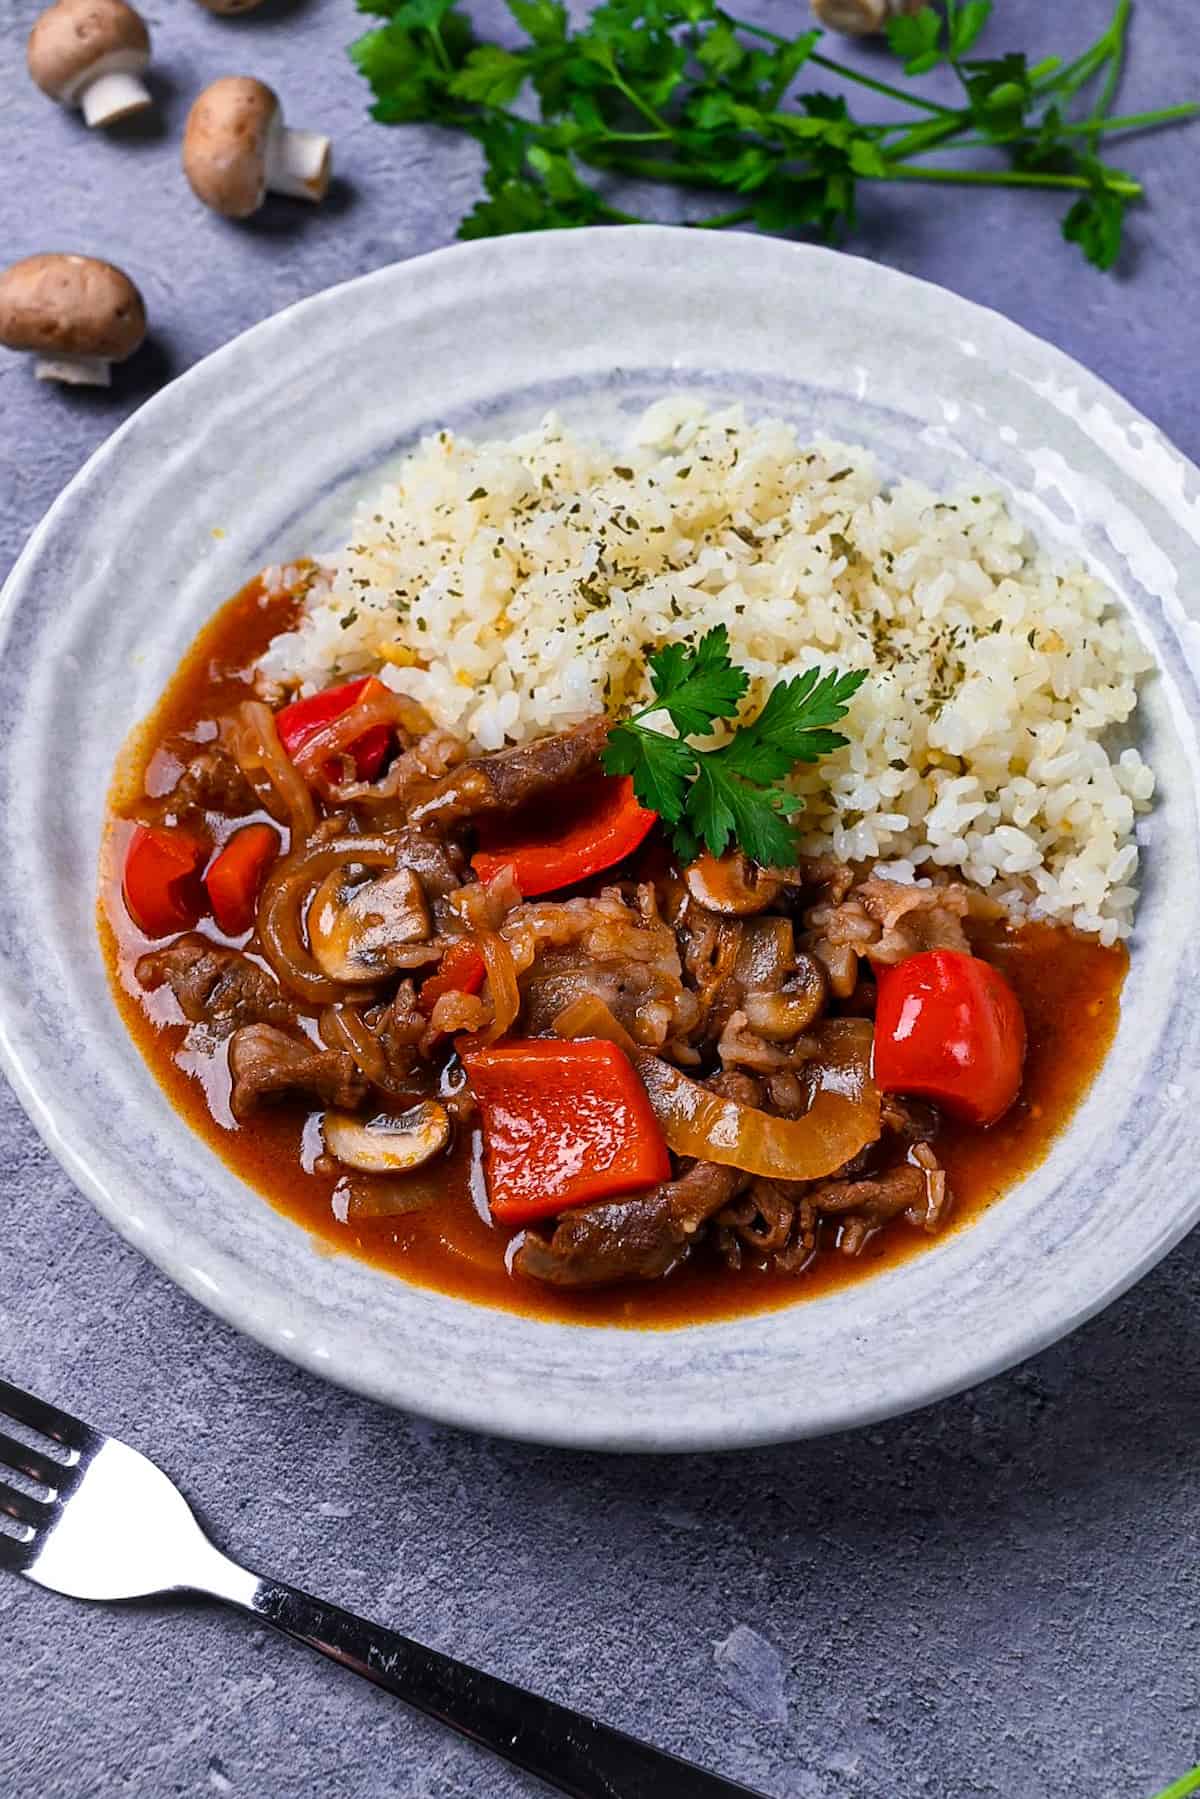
[1069, 987]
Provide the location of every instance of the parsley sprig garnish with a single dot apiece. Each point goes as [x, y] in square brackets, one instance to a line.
[683, 92]
[729, 793]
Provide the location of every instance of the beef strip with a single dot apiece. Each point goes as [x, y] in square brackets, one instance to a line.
[916, 1120]
[932, 1214]
[266, 1063]
[211, 782]
[774, 1222]
[508, 779]
[867, 1205]
[888, 921]
[215, 986]
[836, 878]
[630, 1239]
[440, 867]
[646, 1236]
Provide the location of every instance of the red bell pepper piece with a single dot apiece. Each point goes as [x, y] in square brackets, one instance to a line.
[948, 1027]
[461, 970]
[161, 883]
[299, 722]
[236, 875]
[596, 823]
[564, 1124]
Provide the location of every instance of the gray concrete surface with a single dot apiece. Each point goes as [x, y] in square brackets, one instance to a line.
[997, 1597]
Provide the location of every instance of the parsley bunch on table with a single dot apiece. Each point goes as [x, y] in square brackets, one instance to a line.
[731, 793]
[683, 92]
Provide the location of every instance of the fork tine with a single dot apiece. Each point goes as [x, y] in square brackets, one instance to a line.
[14, 1553]
[32, 1462]
[59, 1426]
[24, 1509]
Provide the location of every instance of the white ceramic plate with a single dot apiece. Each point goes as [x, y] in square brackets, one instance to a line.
[269, 441]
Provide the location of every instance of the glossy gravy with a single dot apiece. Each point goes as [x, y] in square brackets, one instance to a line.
[1069, 986]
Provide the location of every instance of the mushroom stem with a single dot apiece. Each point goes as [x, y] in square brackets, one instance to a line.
[114, 95]
[862, 18]
[75, 371]
[299, 163]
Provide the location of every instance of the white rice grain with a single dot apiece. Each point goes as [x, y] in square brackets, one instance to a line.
[515, 587]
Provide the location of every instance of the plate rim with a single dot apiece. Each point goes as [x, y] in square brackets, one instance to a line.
[46, 1115]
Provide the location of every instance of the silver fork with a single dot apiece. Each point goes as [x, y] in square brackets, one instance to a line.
[109, 1525]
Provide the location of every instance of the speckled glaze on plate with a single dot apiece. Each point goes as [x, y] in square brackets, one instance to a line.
[256, 455]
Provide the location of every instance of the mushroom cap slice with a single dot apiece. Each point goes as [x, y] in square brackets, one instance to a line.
[75, 39]
[731, 884]
[391, 1143]
[862, 18]
[352, 926]
[226, 144]
[230, 6]
[61, 305]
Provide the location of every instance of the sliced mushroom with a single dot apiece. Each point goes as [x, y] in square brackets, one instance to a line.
[76, 314]
[89, 54]
[784, 1014]
[862, 18]
[731, 884]
[236, 149]
[391, 1143]
[357, 932]
[228, 7]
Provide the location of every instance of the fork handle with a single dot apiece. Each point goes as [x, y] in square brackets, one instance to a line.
[569, 1750]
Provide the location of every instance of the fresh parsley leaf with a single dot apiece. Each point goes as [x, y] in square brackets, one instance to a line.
[661, 767]
[793, 726]
[684, 92]
[545, 21]
[724, 809]
[730, 794]
[916, 39]
[1096, 223]
[696, 687]
[415, 15]
[490, 75]
[967, 21]
[1001, 92]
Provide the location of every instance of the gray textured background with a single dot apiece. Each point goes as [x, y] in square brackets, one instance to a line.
[996, 1597]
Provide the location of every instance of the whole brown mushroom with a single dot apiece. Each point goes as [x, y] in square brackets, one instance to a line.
[76, 314]
[236, 149]
[89, 54]
[862, 18]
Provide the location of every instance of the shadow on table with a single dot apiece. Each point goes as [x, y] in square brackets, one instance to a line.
[1102, 1411]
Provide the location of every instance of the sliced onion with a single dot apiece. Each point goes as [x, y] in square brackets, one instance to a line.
[342, 1027]
[415, 769]
[284, 896]
[503, 992]
[334, 739]
[589, 1016]
[842, 1120]
[253, 741]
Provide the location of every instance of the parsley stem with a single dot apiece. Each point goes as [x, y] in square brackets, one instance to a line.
[1112, 127]
[1116, 69]
[635, 99]
[439, 48]
[912, 171]
[1190, 1783]
[842, 69]
[928, 136]
[648, 168]
[881, 87]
